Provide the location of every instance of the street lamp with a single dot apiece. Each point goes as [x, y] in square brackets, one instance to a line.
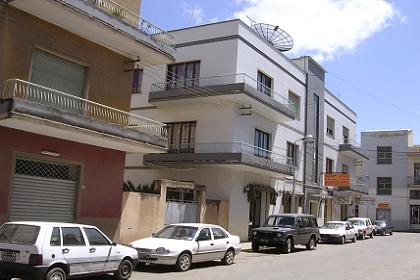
[307, 139]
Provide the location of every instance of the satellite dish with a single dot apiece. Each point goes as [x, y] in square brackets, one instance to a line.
[279, 38]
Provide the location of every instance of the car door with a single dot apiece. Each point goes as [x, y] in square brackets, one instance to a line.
[349, 231]
[100, 250]
[300, 231]
[307, 229]
[75, 250]
[221, 242]
[205, 242]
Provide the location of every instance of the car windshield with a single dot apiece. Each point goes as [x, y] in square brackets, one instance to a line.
[380, 223]
[282, 221]
[18, 234]
[334, 226]
[177, 232]
[357, 222]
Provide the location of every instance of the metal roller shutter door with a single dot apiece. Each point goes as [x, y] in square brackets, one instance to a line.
[43, 191]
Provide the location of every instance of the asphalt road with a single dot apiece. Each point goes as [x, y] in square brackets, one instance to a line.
[383, 257]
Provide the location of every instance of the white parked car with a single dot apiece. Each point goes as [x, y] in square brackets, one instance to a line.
[338, 231]
[184, 244]
[363, 226]
[57, 251]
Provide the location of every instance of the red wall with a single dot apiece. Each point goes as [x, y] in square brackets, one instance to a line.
[102, 170]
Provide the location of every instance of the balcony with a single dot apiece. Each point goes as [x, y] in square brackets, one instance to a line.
[106, 23]
[232, 154]
[41, 110]
[232, 89]
[356, 185]
[414, 181]
[352, 149]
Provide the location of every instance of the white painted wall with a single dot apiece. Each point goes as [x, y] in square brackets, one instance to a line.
[398, 170]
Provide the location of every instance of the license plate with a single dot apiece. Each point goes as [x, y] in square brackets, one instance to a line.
[263, 240]
[8, 256]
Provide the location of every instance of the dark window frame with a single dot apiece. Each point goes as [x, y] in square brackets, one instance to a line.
[187, 129]
[329, 165]
[293, 153]
[137, 81]
[384, 155]
[262, 143]
[178, 75]
[264, 83]
[384, 185]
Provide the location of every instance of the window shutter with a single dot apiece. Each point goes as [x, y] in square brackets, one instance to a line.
[57, 73]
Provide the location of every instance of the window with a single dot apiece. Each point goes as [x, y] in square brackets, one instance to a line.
[346, 135]
[181, 137]
[384, 186]
[344, 168]
[293, 153]
[415, 214]
[183, 74]
[72, 236]
[329, 165]
[18, 234]
[55, 237]
[204, 235]
[306, 222]
[137, 81]
[296, 102]
[384, 155]
[218, 233]
[55, 72]
[415, 194]
[264, 83]
[313, 221]
[330, 126]
[95, 238]
[262, 144]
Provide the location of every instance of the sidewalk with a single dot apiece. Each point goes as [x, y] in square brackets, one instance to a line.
[246, 245]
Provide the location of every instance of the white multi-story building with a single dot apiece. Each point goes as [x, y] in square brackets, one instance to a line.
[244, 121]
[394, 177]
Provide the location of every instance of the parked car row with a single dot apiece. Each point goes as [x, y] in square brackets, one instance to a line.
[58, 251]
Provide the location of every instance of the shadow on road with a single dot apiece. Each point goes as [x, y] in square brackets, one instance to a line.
[273, 251]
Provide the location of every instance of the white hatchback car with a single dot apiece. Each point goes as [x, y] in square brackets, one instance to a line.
[184, 244]
[57, 251]
[338, 231]
[363, 226]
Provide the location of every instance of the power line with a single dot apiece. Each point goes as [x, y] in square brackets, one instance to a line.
[374, 96]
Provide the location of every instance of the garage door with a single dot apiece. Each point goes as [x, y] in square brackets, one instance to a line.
[43, 191]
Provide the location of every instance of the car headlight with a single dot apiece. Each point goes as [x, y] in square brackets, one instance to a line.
[254, 233]
[279, 234]
[162, 250]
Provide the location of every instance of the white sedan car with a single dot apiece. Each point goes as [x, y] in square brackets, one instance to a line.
[338, 231]
[184, 244]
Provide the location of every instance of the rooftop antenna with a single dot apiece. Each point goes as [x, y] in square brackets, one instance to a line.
[279, 38]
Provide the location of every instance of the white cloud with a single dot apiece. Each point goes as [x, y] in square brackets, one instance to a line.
[195, 13]
[323, 28]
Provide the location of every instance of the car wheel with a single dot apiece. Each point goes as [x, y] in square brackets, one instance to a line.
[383, 233]
[390, 233]
[354, 238]
[255, 247]
[56, 273]
[371, 234]
[229, 257]
[363, 236]
[184, 262]
[124, 270]
[343, 240]
[311, 244]
[288, 246]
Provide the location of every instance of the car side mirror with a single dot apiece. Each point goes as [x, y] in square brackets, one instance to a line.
[153, 234]
[114, 243]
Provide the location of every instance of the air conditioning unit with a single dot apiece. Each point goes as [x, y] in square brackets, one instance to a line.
[133, 65]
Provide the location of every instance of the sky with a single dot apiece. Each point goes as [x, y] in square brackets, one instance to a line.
[370, 48]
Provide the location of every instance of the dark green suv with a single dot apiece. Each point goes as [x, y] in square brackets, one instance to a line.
[285, 231]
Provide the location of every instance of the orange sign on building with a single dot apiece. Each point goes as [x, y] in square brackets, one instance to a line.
[383, 205]
[337, 179]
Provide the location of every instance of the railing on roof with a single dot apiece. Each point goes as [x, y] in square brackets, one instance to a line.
[160, 36]
[52, 98]
[222, 80]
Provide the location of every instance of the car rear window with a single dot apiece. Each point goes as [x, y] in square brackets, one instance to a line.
[19, 234]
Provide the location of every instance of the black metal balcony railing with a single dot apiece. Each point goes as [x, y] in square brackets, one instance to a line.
[223, 80]
[52, 98]
[164, 39]
[414, 180]
[231, 147]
